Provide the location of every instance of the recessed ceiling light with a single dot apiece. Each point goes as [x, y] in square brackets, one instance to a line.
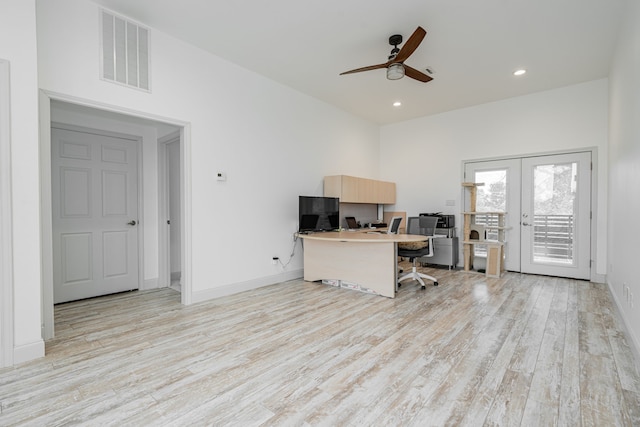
[519, 72]
[397, 104]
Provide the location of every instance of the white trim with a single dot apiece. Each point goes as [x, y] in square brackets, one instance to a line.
[46, 215]
[149, 284]
[163, 235]
[185, 215]
[236, 288]
[6, 222]
[26, 352]
[619, 313]
[164, 267]
[45, 194]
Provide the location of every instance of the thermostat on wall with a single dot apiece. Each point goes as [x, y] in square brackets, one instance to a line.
[221, 176]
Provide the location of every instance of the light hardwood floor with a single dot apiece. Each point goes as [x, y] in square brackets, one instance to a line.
[519, 350]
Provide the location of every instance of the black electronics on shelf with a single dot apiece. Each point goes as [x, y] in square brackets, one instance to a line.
[444, 221]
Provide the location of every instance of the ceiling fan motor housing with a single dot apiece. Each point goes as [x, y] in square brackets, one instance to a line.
[395, 40]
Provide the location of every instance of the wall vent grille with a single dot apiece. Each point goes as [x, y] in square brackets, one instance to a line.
[125, 52]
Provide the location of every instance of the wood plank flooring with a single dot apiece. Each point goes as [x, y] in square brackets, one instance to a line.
[520, 350]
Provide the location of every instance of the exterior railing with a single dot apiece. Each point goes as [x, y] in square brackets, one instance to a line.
[553, 235]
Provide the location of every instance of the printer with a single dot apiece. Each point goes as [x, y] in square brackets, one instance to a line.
[444, 221]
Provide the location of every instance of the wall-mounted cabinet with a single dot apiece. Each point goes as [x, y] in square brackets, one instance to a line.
[351, 189]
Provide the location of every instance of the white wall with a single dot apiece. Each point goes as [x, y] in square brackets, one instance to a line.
[424, 156]
[18, 46]
[272, 142]
[624, 166]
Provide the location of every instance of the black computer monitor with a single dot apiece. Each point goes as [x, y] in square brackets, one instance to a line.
[318, 213]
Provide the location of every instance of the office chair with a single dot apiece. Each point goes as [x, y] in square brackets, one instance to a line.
[425, 226]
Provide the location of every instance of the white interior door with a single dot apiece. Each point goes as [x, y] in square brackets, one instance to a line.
[556, 215]
[95, 214]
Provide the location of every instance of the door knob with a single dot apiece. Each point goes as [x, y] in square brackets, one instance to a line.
[132, 222]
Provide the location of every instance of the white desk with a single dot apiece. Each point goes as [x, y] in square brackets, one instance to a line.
[370, 260]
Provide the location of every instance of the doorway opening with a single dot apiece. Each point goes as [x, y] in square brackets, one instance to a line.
[55, 108]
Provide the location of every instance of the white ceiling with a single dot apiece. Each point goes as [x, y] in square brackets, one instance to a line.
[472, 45]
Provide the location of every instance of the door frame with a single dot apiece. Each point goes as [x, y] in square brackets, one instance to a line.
[595, 184]
[164, 241]
[6, 222]
[46, 230]
[137, 140]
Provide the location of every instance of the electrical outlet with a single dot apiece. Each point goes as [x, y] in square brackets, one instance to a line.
[274, 260]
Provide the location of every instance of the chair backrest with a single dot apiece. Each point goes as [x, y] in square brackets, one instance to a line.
[395, 225]
[423, 225]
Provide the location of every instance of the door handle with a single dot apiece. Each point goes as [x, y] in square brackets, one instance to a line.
[132, 222]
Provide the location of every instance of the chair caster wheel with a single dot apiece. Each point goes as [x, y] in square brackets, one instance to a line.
[399, 284]
[423, 287]
[435, 283]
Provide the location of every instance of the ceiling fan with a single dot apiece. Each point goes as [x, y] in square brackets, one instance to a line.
[396, 69]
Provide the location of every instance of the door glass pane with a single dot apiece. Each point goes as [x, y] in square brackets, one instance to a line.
[491, 197]
[554, 198]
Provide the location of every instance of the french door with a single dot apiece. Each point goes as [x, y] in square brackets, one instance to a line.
[548, 204]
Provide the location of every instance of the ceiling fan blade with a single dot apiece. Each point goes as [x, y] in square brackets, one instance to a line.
[411, 45]
[415, 74]
[370, 67]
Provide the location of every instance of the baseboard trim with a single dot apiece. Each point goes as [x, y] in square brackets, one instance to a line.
[633, 343]
[150, 284]
[238, 287]
[27, 352]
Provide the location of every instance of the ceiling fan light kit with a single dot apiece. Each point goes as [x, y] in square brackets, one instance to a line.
[395, 71]
[395, 63]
